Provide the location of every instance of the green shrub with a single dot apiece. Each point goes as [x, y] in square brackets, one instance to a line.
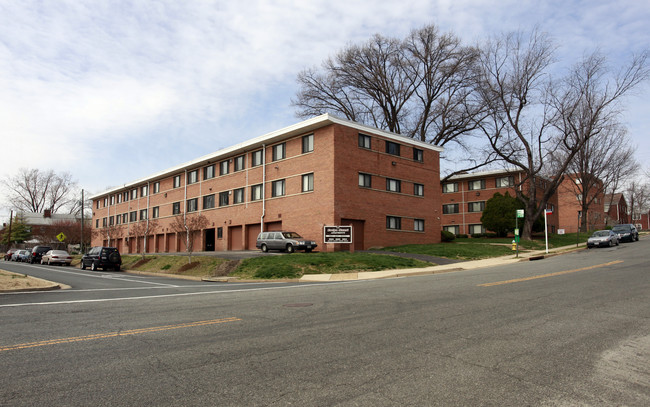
[166, 267]
[461, 236]
[278, 271]
[447, 236]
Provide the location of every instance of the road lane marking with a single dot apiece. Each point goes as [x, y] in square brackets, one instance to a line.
[116, 334]
[559, 273]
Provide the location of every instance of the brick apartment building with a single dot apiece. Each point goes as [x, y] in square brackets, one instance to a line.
[569, 204]
[615, 208]
[322, 171]
[464, 197]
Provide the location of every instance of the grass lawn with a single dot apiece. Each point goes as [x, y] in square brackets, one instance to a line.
[483, 247]
[297, 264]
[201, 265]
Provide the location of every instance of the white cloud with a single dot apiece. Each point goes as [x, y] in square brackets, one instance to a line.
[128, 88]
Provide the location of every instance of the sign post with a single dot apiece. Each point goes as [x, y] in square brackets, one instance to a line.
[520, 214]
[546, 212]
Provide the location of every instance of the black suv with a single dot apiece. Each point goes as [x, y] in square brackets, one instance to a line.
[626, 232]
[36, 254]
[101, 257]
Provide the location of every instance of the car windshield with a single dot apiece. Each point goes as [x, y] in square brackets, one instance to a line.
[601, 233]
[291, 235]
[621, 228]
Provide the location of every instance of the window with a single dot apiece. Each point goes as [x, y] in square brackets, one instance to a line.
[238, 196]
[219, 233]
[308, 144]
[279, 152]
[474, 185]
[97, 204]
[155, 212]
[418, 155]
[144, 190]
[192, 205]
[418, 225]
[364, 141]
[177, 181]
[208, 172]
[97, 220]
[118, 219]
[277, 188]
[111, 220]
[156, 187]
[450, 187]
[450, 208]
[105, 202]
[176, 208]
[133, 216]
[104, 222]
[418, 189]
[393, 185]
[125, 218]
[475, 206]
[208, 201]
[193, 177]
[505, 182]
[393, 222]
[134, 193]
[224, 168]
[143, 214]
[223, 198]
[308, 182]
[125, 195]
[112, 199]
[476, 229]
[392, 148]
[256, 192]
[256, 158]
[455, 229]
[119, 198]
[365, 180]
[240, 163]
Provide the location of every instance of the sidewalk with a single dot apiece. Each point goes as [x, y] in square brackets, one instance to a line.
[466, 265]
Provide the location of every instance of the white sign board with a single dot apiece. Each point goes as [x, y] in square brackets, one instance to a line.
[337, 234]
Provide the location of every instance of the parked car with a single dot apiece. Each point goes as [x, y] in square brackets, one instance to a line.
[56, 257]
[602, 238]
[37, 253]
[20, 255]
[289, 241]
[626, 232]
[9, 253]
[101, 257]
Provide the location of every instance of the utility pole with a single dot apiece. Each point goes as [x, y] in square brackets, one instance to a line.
[81, 244]
[11, 218]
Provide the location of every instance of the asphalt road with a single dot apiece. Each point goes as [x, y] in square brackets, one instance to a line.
[567, 330]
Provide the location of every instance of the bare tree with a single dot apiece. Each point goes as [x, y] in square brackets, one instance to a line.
[532, 116]
[142, 230]
[32, 190]
[187, 225]
[638, 198]
[422, 86]
[605, 161]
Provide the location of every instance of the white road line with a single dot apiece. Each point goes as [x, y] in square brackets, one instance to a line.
[173, 295]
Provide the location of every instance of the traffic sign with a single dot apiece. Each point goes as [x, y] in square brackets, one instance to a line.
[520, 213]
[61, 237]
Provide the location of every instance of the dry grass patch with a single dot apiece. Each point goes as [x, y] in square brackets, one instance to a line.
[12, 281]
[201, 266]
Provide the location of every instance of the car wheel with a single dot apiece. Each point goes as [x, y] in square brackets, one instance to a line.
[290, 248]
[264, 248]
[82, 265]
[93, 266]
[611, 244]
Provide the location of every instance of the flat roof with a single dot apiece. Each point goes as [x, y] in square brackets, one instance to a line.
[303, 127]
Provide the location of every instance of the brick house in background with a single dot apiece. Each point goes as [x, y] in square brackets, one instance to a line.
[464, 197]
[616, 209]
[569, 200]
[322, 171]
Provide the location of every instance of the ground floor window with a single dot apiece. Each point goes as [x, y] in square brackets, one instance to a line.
[418, 225]
[393, 222]
[476, 229]
[455, 229]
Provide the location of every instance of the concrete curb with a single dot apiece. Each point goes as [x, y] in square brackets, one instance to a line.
[49, 285]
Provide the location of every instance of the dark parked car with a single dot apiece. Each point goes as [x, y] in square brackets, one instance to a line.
[289, 241]
[37, 253]
[626, 232]
[101, 257]
[602, 238]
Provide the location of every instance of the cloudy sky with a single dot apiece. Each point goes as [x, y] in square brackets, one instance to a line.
[112, 91]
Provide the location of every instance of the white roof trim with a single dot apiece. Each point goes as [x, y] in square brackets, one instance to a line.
[270, 138]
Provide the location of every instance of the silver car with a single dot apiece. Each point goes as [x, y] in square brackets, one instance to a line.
[286, 241]
[602, 238]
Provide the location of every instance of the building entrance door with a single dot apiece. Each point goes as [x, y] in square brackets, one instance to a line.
[209, 240]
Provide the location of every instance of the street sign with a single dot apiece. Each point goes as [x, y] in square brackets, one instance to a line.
[517, 232]
[337, 234]
[520, 213]
[61, 237]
